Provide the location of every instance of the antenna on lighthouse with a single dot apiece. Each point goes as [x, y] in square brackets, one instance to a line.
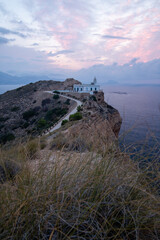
[94, 80]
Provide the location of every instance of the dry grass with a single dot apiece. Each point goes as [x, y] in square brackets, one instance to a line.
[80, 196]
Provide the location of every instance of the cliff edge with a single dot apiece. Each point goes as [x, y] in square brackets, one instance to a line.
[98, 128]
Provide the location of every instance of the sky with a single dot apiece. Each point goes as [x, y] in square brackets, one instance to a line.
[114, 40]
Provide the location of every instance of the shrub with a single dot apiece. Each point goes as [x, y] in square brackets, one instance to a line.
[15, 109]
[43, 142]
[49, 115]
[79, 109]
[55, 96]
[45, 101]
[67, 102]
[92, 97]
[60, 111]
[42, 123]
[37, 109]
[7, 137]
[25, 125]
[64, 122]
[76, 116]
[80, 197]
[28, 114]
[31, 148]
[18, 89]
[2, 119]
[56, 92]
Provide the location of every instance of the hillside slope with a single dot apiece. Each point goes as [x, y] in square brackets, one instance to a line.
[29, 110]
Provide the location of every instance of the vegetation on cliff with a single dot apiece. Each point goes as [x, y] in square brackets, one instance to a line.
[70, 195]
[29, 110]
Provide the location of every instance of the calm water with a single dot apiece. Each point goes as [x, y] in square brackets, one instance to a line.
[139, 107]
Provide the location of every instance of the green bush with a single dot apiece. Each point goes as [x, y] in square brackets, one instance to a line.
[76, 116]
[60, 111]
[64, 122]
[56, 92]
[42, 123]
[49, 115]
[54, 113]
[55, 96]
[28, 114]
[79, 109]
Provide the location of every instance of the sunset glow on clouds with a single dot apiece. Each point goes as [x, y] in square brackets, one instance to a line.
[68, 34]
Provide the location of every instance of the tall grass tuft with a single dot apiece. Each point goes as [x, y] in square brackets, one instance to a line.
[81, 196]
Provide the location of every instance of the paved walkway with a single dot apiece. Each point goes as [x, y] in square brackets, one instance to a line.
[66, 117]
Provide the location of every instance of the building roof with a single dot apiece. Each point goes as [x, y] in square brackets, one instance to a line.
[86, 85]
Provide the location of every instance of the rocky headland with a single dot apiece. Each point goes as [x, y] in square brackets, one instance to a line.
[29, 110]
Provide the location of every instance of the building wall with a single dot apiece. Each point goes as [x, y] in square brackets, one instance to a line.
[86, 88]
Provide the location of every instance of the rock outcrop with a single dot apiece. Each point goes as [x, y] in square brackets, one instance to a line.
[98, 130]
[69, 82]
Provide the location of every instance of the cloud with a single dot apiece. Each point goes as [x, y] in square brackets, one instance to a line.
[129, 73]
[50, 54]
[6, 31]
[35, 44]
[5, 40]
[2, 9]
[98, 31]
[115, 37]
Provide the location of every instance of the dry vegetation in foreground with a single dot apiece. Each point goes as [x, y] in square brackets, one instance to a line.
[88, 196]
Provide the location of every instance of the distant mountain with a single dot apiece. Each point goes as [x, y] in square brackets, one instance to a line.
[112, 82]
[7, 79]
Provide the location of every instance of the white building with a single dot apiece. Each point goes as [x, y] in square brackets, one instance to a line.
[86, 88]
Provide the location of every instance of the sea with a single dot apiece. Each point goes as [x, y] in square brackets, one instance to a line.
[139, 107]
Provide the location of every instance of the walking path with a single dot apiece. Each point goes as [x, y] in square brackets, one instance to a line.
[66, 117]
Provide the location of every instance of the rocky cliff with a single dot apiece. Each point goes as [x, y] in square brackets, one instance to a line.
[98, 128]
